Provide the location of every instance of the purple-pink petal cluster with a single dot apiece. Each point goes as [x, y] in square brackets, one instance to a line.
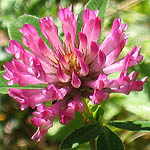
[70, 70]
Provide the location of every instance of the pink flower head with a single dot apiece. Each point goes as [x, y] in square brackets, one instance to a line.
[43, 119]
[75, 105]
[71, 70]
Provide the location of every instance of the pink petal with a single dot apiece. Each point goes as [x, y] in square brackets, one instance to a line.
[50, 31]
[53, 93]
[76, 104]
[39, 134]
[96, 30]
[31, 36]
[135, 56]
[44, 119]
[66, 116]
[92, 29]
[40, 122]
[49, 55]
[28, 97]
[84, 66]
[47, 58]
[83, 43]
[38, 47]
[99, 96]
[88, 15]
[62, 62]
[138, 86]
[69, 46]
[16, 49]
[18, 73]
[111, 58]
[98, 63]
[115, 38]
[100, 83]
[128, 83]
[131, 59]
[93, 52]
[62, 76]
[69, 22]
[76, 83]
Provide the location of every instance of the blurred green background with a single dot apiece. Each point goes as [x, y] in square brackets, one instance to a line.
[15, 129]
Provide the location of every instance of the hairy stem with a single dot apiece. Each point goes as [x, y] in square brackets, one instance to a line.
[92, 144]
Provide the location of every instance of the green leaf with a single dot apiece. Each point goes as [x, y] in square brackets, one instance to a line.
[108, 140]
[13, 32]
[81, 135]
[103, 12]
[4, 87]
[100, 5]
[141, 126]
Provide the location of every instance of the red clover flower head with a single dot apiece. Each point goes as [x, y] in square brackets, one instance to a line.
[70, 70]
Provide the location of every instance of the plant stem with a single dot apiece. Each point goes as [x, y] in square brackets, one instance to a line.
[87, 112]
[92, 144]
